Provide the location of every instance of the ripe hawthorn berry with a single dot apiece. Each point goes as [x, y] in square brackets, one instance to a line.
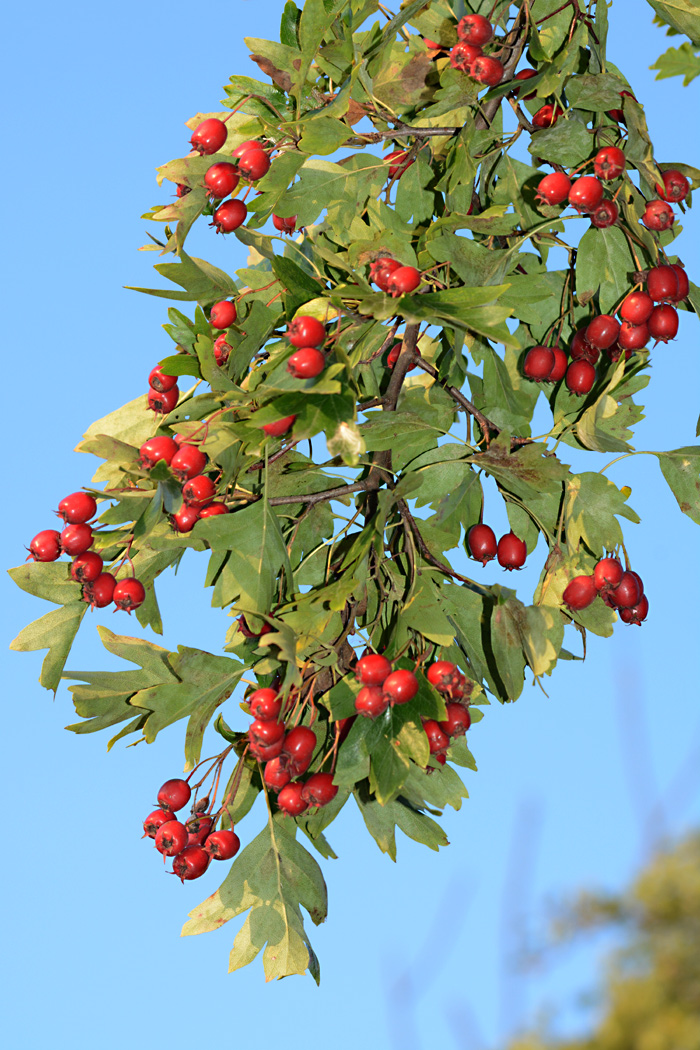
[403, 281]
[86, 567]
[618, 115]
[222, 845]
[607, 573]
[298, 749]
[683, 283]
[129, 594]
[265, 703]
[181, 190]
[160, 381]
[554, 189]
[487, 70]
[580, 593]
[199, 491]
[265, 733]
[77, 508]
[481, 541]
[662, 283]
[223, 314]
[442, 674]
[306, 363]
[538, 364]
[187, 462]
[627, 593]
[264, 752]
[285, 223]
[602, 331]
[155, 449]
[254, 163]
[247, 633]
[279, 427]
[98, 593]
[222, 349]
[475, 29]
[458, 720]
[663, 323]
[290, 799]
[438, 739]
[398, 162]
[631, 337]
[381, 269]
[637, 613]
[675, 188]
[184, 519]
[174, 794]
[155, 820]
[547, 116]
[606, 214]
[658, 216]
[638, 578]
[221, 179]
[561, 362]
[463, 55]
[46, 546]
[276, 775]
[636, 308]
[198, 827]
[511, 552]
[400, 686]
[319, 789]
[580, 377]
[371, 702]
[229, 216]
[372, 669]
[393, 356]
[586, 193]
[191, 863]
[243, 147]
[213, 510]
[171, 838]
[306, 331]
[525, 74]
[609, 163]
[580, 347]
[162, 403]
[76, 539]
[209, 136]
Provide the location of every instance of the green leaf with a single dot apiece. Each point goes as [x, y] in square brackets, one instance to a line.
[604, 264]
[683, 61]
[681, 468]
[49, 580]
[595, 93]
[382, 820]
[55, 631]
[131, 424]
[388, 769]
[565, 143]
[683, 15]
[593, 504]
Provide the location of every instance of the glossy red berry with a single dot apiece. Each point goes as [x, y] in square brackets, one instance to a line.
[285, 223]
[161, 382]
[631, 337]
[77, 508]
[198, 829]
[46, 545]
[371, 702]
[222, 845]
[276, 774]
[174, 794]
[524, 74]
[244, 147]
[547, 116]
[187, 462]
[512, 551]
[586, 193]
[184, 519]
[658, 216]
[609, 163]
[481, 541]
[372, 669]
[162, 403]
[230, 215]
[580, 347]
[265, 752]
[199, 491]
[628, 591]
[662, 283]
[637, 613]
[607, 573]
[265, 703]
[403, 281]
[663, 323]
[554, 188]
[222, 349]
[458, 720]
[306, 363]
[393, 356]
[209, 136]
[475, 29]
[98, 593]
[247, 633]
[129, 594]
[319, 789]
[171, 838]
[86, 567]
[298, 749]
[254, 163]
[306, 331]
[443, 674]
[181, 190]
[191, 863]
[265, 733]
[223, 314]
[398, 162]
[290, 799]
[76, 539]
[437, 737]
[221, 179]
[487, 70]
[155, 449]
[602, 331]
[155, 820]
[683, 283]
[538, 364]
[580, 377]
[561, 362]
[636, 308]
[675, 188]
[400, 686]
[580, 593]
[380, 271]
[212, 511]
[463, 55]
[606, 214]
[279, 427]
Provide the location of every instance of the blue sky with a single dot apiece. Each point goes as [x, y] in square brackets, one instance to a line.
[571, 788]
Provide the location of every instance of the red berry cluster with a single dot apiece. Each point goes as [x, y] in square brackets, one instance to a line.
[510, 550]
[619, 588]
[448, 680]
[191, 844]
[382, 687]
[392, 277]
[187, 462]
[163, 392]
[474, 33]
[99, 588]
[306, 334]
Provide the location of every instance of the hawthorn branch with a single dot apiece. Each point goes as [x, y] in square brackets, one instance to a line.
[515, 41]
[426, 553]
[487, 426]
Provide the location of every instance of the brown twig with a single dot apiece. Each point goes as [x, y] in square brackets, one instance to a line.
[426, 553]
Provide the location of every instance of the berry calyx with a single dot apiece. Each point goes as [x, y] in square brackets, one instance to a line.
[184, 519]
[86, 567]
[191, 863]
[187, 462]
[538, 364]
[254, 163]
[265, 703]
[290, 799]
[279, 427]
[580, 593]
[171, 838]
[481, 541]
[221, 179]
[199, 491]
[319, 789]
[223, 314]
[372, 669]
[76, 539]
[46, 545]
[554, 189]
[475, 29]
[306, 363]
[458, 720]
[511, 552]
[298, 749]
[580, 377]
[663, 323]
[155, 449]
[606, 214]
[586, 193]
[306, 331]
[222, 845]
[209, 136]
[400, 686]
[160, 381]
[285, 223]
[602, 331]
[658, 216]
[609, 163]
[155, 820]
[403, 281]
[662, 283]
[636, 308]
[487, 70]
[77, 508]
[129, 594]
[162, 403]
[371, 702]
[174, 794]
[675, 188]
[229, 216]
[98, 593]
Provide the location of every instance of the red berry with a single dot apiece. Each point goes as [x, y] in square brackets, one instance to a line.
[443, 673]
[245, 630]
[191, 863]
[98, 593]
[276, 774]
[209, 136]
[222, 845]
[155, 449]
[637, 613]
[607, 573]
[129, 594]
[279, 427]
[306, 363]
[371, 702]
[372, 669]
[254, 163]
[458, 720]
[46, 545]
[212, 511]
[683, 283]
[525, 74]
[185, 519]
[77, 508]
[631, 337]
[155, 820]
[539, 362]
[561, 362]
[658, 215]
[400, 686]
[222, 314]
[160, 381]
[76, 539]
[609, 163]
[475, 29]
[86, 567]
[380, 271]
[481, 541]
[319, 789]
[636, 308]
[554, 188]
[602, 331]
[663, 323]
[619, 114]
[463, 55]
[264, 752]
[512, 551]
[174, 794]
[403, 281]
[580, 347]
[265, 733]
[675, 188]
[265, 703]
[628, 591]
[285, 223]
[606, 214]
[662, 283]
[187, 462]
[221, 179]
[580, 593]
[547, 116]
[306, 331]
[171, 837]
[230, 215]
[400, 163]
[393, 356]
[437, 738]
[199, 491]
[222, 349]
[181, 190]
[198, 828]
[162, 403]
[586, 193]
[290, 799]
[298, 749]
[245, 146]
[580, 377]
[487, 70]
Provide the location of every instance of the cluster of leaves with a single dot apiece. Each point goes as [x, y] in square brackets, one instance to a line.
[680, 18]
[345, 547]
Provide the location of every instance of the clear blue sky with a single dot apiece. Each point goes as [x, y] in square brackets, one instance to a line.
[412, 953]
